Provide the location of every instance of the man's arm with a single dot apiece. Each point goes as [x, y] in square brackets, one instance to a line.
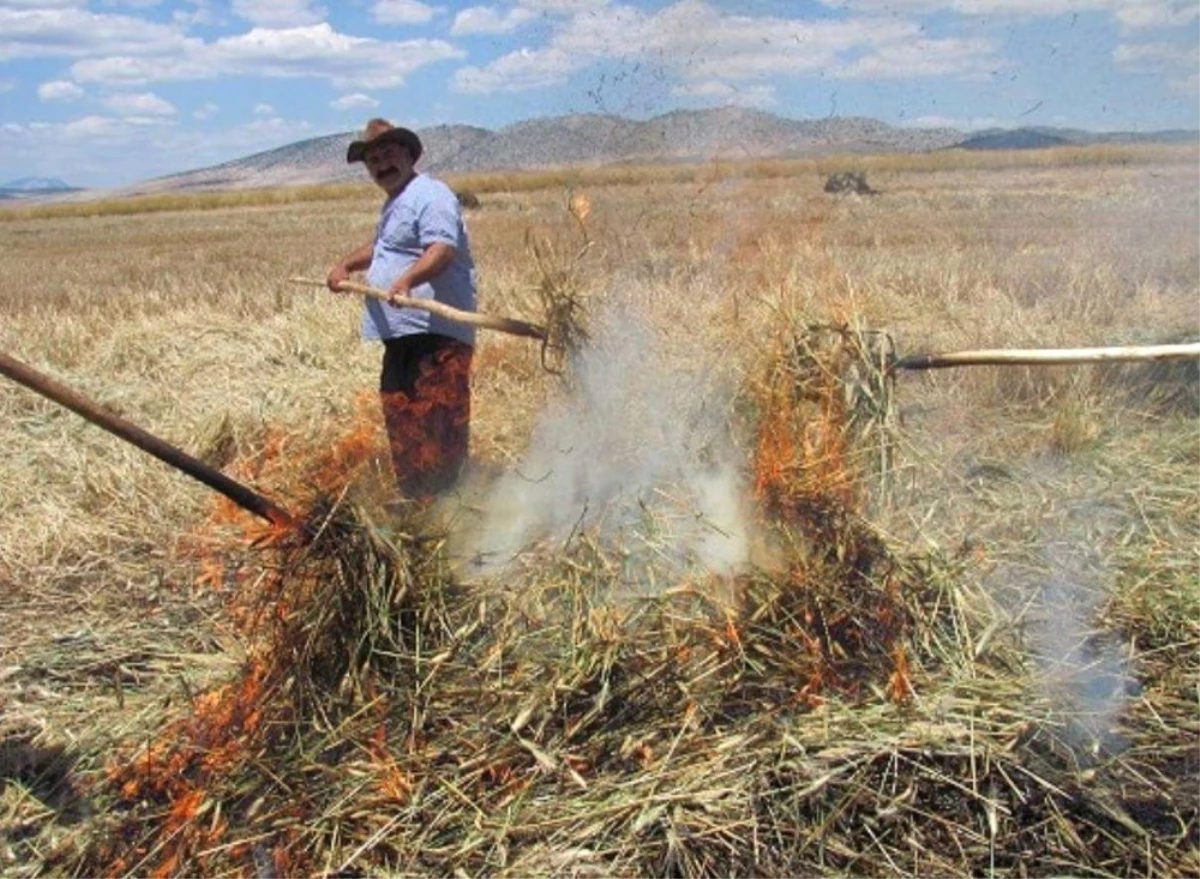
[356, 261]
[432, 262]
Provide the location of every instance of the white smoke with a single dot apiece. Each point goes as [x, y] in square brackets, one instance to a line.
[636, 456]
[1084, 671]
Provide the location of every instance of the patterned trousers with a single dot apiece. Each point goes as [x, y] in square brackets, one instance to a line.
[425, 391]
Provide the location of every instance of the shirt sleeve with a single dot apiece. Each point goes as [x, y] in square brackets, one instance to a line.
[441, 219]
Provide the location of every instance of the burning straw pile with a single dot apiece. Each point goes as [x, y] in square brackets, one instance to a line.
[847, 712]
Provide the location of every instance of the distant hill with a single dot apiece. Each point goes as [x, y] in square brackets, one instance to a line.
[582, 139]
[34, 187]
[1042, 137]
[591, 139]
[1020, 139]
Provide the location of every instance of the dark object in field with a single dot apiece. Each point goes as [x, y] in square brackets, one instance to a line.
[849, 181]
[467, 199]
[45, 770]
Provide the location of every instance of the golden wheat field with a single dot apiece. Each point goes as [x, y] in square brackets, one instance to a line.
[721, 594]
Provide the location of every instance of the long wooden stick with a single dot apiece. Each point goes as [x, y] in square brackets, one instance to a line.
[1048, 356]
[147, 442]
[471, 318]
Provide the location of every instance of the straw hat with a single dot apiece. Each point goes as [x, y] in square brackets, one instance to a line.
[380, 131]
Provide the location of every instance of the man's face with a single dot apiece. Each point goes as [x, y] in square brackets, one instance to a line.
[389, 165]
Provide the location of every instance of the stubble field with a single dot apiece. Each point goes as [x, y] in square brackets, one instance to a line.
[682, 624]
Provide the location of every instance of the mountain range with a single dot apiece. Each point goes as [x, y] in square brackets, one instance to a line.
[727, 133]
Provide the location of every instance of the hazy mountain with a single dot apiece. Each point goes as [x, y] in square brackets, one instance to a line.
[1019, 139]
[590, 139]
[1041, 137]
[33, 187]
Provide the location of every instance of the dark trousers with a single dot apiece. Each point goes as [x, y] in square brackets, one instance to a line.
[426, 395]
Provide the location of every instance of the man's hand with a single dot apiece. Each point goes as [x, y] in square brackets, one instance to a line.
[337, 275]
[400, 290]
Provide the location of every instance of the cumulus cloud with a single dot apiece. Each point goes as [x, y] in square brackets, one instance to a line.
[517, 71]
[402, 12]
[92, 146]
[111, 129]
[205, 111]
[42, 4]
[921, 58]
[1178, 64]
[490, 20]
[1132, 14]
[278, 13]
[314, 51]
[698, 43]
[1189, 83]
[497, 20]
[1146, 14]
[59, 90]
[144, 104]
[1155, 56]
[724, 93]
[264, 110]
[74, 32]
[356, 101]
[974, 123]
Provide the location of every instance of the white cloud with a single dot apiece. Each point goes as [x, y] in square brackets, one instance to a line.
[43, 4]
[694, 42]
[1176, 63]
[201, 12]
[921, 58]
[974, 123]
[144, 104]
[563, 7]
[278, 13]
[264, 110]
[91, 147]
[1146, 14]
[71, 32]
[494, 20]
[402, 12]
[356, 101]
[1189, 84]
[118, 129]
[517, 71]
[315, 51]
[1155, 56]
[724, 93]
[206, 111]
[1132, 14]
[490, 20]
[59, 90]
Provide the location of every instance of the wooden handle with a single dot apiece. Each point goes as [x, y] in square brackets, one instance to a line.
[1048, 356]
[147, 442]
[441, 309]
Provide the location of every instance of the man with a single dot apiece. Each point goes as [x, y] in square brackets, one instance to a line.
[420, 250]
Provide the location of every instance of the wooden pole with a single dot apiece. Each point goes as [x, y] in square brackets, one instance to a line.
[1048, 356]
[441, 309]
[114, 424]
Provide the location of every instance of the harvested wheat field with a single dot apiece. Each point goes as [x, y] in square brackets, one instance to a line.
[723, 594]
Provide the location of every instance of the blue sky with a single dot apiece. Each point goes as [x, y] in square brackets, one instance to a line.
[109, 92]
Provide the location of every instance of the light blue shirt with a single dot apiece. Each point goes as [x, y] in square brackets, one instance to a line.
[424, 213]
